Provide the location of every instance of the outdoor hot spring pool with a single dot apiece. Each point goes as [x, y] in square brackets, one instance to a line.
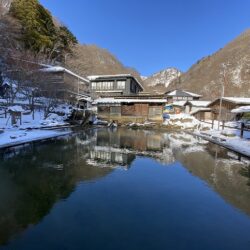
[124, 189]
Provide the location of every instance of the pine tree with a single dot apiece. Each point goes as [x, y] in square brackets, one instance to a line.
[39, 30]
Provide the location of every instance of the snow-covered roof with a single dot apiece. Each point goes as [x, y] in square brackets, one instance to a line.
[237, 100]
[85, 98]
[96, 77]
[179, 103]
[200, 109]
[16, 108]
[182, 93]
[55, 69]
[113, 100]
[243, 109]
[199, 103]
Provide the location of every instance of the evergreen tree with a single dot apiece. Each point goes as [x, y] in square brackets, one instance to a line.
[39, 30]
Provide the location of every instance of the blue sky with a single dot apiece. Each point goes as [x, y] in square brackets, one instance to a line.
[151, 35]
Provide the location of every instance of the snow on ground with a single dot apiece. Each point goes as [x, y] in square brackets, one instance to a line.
[184, 121]
[31, 127]
[16, 137]
[228, 138]
[54, 119]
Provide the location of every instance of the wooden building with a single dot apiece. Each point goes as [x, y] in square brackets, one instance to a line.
[65, 82]
[228, 104]
[130, 109]
[181, 95]
[114, 85]
[192, 106]
[202, 114]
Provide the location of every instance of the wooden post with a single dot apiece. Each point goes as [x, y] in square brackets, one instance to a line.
[223, 124]
[212, 123]
[242, 130]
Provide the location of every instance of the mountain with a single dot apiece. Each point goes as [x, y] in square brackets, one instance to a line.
[162, 78]
[229, 66]
[93, 60]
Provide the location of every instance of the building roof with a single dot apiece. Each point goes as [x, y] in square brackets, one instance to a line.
[16, 108]
[242, 109]
[55, 69]
[200, 110]
[199, 103]
[114, 100]
[101, 77]
[179, 103]
[182, 93]
[235, 100]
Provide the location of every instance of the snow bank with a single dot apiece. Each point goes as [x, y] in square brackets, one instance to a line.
[11, 138]
[228, 138]
[184, 121]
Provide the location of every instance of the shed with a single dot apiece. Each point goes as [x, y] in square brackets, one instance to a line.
[16, 114]
[228, 104]
[202, 114]
[191, 106]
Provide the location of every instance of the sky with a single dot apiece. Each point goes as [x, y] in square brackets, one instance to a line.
[151, 35]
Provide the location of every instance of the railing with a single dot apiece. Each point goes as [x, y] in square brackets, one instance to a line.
[242, 128]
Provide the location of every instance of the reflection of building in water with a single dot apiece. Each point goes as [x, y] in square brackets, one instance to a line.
[107, 148]
[108, 156]
[135, 139]
[137, 142]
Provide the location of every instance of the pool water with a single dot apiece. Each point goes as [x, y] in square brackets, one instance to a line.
[124, 189]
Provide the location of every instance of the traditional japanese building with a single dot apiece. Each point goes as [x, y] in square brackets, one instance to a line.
[227, 105]
[181, 95]
[137, 109]
[65, 81]
[114, 85]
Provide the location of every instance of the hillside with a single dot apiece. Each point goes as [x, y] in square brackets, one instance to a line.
[93, 60]
[230, 65]
[40, 37]
[162, 79]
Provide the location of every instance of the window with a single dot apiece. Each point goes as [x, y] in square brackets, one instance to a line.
[121, 84]
[93, 85]
[103, 85]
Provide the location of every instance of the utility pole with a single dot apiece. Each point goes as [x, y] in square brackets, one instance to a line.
[222, 95]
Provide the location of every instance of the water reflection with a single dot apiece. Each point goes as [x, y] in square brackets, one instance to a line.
[35, 177]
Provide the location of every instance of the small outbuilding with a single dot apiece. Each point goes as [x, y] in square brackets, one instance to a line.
[202, 114]
[227, 105]
[192, 106]
[16, 114]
